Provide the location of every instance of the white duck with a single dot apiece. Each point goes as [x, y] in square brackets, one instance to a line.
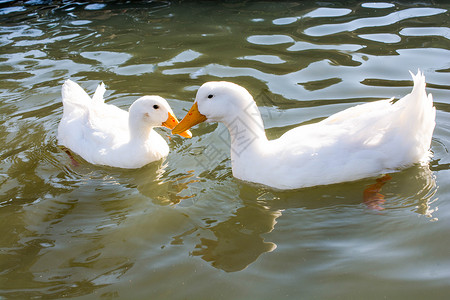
[362, 141]
[107, 135]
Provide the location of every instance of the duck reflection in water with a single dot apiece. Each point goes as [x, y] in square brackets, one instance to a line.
[240, 239]
[234, 243]
[230, 245]
[168, 189]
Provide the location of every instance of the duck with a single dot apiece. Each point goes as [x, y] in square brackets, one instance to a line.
[362, 141]
[104, 134]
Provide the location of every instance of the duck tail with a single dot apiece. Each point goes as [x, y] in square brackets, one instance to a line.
[74, 95]
[418, 116]
[99, 92]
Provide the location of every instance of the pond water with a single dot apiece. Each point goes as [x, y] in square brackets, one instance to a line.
[184, 228]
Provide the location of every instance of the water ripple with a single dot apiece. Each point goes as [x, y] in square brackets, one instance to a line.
[392, 18]
[324, 12]
[386, 38]
[269, 39]
[426, 31]
[377, 5]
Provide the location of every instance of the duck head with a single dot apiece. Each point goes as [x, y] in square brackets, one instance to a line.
[154, 111]
[216, 101]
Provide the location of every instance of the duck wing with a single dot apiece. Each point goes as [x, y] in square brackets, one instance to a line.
[351, 125]
[365, 140]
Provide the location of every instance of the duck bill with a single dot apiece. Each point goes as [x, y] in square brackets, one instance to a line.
[172, 121]
[192, 118]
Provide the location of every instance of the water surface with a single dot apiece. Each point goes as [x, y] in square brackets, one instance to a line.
[184, 228]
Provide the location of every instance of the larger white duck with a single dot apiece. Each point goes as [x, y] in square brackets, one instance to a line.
[362, 141]
[107, 135]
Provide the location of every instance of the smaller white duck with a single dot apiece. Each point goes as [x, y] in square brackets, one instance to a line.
[107, 135]
[359, 142]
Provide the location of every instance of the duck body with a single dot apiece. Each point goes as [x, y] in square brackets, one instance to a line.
[107, 135]
[362, 141]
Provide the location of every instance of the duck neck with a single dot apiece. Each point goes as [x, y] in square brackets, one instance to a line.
[246, 132]
[139, 130]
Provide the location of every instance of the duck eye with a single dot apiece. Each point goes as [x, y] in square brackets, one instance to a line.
[155, 106]
[210, 96]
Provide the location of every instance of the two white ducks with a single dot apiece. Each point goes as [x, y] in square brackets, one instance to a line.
[362, 141]
[107, 135]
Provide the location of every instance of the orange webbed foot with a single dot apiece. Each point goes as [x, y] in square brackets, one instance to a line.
[372, 198]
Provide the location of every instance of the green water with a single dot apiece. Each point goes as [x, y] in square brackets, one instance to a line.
[184, 228]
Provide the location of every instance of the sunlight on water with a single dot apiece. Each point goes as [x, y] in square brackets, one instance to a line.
[184, 228]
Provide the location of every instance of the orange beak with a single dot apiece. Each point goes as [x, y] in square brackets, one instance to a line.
[172, 121]
[192, 118]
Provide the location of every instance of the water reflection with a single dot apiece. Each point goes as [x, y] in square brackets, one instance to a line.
[162, 186]
[166, 190]
[241, 239]
[64, 235]
[359, 23]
